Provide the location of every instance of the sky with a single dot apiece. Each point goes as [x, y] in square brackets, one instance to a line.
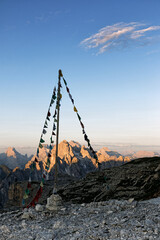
[109, 53]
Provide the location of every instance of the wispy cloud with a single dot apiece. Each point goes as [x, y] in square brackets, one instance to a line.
[45, 17]
[153, 52]
[119, 35]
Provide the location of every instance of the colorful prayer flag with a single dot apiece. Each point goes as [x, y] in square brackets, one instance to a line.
[40, 145]
[65, 82]
[82, 124]
[67, 89]
[75, 109]
[41, 140]
[44, 131]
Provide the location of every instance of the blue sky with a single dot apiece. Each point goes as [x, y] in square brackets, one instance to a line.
[109, 53]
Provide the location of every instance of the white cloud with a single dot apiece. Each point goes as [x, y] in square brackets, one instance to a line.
[119, 35]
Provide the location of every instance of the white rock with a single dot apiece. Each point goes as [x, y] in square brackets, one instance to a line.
[24, 223]
[25, 210]
[57, 224]
[130, 200]
[39, 208]
[110, 212]
[4, 229]
[26, 215]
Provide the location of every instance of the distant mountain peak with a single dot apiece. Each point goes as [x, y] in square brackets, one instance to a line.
[75, 144]
[11, 152]
[106, 149]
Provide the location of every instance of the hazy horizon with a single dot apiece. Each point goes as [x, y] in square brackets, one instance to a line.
[123, 148]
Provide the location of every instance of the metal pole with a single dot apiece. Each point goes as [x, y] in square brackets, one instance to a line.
[57, 134]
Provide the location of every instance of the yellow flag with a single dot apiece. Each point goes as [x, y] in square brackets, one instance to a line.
[25, 196]
[41, 184]
[75, 109]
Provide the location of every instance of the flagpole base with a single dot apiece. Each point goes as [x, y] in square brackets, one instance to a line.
[54, 202]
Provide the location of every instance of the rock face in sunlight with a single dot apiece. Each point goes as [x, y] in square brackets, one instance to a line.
[141, 154]
[75, 160]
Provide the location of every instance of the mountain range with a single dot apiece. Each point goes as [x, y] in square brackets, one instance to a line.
[11, 158]
[70, 153]
[74, 160]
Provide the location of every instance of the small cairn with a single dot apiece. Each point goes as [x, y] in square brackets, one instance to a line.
[54, 202]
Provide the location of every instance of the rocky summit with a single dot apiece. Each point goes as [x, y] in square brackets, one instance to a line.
[120, 203]
[112, 219]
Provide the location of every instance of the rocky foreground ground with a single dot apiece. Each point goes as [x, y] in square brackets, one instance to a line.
[112, 219]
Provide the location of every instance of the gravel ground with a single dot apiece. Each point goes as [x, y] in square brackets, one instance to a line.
[111, 219]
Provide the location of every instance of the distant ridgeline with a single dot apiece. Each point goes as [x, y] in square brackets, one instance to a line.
[71, 155]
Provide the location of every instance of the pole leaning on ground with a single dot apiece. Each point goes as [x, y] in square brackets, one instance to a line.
[57, 133]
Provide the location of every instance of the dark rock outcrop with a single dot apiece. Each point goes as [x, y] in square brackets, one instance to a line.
[138, 179]
[17, 189]
[4, 172]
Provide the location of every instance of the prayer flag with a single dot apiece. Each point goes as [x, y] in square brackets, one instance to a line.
[41, 184]
[27, 191]
[40, 145]
[82, 124]
[52, 101]
[65, 82]
[41, 140]
[28, 185]
[44, 131]
[37, 150]
[67, 89]
[75, 109]
[72, 100]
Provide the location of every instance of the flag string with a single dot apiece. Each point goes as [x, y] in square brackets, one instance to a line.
[46, 167]
[82, 125]
[33, 165]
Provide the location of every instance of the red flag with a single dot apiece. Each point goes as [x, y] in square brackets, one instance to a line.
[82, 125]
[67, 89]
[49, 114]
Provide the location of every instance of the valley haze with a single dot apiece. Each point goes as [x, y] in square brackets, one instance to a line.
[123, 148]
